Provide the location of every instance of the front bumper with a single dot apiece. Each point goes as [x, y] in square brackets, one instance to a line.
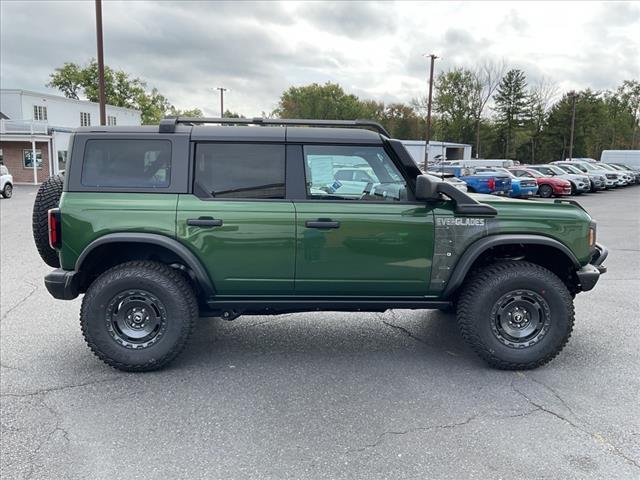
[62, 284]
[589, 275]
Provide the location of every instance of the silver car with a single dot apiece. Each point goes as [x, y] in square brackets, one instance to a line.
[579, 183]
[598, 180]
[612, 179]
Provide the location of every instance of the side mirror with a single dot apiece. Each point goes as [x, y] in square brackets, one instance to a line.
[426, 188]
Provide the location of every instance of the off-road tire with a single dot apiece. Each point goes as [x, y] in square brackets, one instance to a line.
[545, 191]
[478, 300]
[48, 197]
[7, 191]
[163, 283]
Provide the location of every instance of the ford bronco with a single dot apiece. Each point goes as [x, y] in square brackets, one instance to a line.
[160, 225]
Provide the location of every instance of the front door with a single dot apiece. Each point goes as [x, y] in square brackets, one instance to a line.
[237, 221]
[358, 232]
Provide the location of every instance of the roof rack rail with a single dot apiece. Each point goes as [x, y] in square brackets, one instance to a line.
[168, 124]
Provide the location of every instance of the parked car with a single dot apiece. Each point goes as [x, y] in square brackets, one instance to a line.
[597, 181]
[478, 182]
[6, 182]
[188, 221]
[579, 183]
[626, 176]
[452, 179]
[627, 168]
[630, 158]
[482, 162]
[547, 186]
[612, 179]
[521, 187]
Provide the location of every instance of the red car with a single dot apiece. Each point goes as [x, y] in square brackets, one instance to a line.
[547, 186]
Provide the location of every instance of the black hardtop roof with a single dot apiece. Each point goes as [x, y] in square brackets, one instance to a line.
[253, 133]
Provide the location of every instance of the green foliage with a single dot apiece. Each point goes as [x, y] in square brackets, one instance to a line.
[194, 112]
[512, 107]
[456, 102]
[121, 90]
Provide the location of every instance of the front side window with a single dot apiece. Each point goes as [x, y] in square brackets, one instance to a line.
[127, 163]
[233, 170]
[352, 173]
[85, 119]
[27, 158]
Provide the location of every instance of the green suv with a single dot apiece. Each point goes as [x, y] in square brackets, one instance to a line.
[157, 226]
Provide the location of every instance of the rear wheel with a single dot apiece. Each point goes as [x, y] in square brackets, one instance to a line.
[138, 316]
[48, 197]
[515, 315]
[545, 191]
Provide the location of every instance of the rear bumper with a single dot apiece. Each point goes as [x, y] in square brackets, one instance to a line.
[62, 284]
[589, 275]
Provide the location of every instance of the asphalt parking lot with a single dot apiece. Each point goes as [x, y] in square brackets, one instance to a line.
[394, 395]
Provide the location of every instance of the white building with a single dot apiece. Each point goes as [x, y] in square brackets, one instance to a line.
[38, 125]
[438, 151]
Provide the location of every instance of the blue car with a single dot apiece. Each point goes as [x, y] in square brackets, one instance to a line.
[480, 182]
[520, 187]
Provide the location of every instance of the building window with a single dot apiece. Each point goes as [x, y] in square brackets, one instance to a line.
[111, 121]
[39, 113]
[27, 158]
[85, 119]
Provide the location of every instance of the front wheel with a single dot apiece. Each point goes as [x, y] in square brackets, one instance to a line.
[515, 315]
[138, 316]
[7, 191]
[545, 191]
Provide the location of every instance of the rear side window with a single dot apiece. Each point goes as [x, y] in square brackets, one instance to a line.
[233, 170]
[127, 163]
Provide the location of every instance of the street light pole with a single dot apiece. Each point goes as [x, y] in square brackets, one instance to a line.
[103, 112]
[428, 130]
[222, 90]
[572, 94]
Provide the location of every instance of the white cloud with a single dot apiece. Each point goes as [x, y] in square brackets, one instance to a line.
[372, 49]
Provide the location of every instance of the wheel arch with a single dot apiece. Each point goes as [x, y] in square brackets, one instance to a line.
[114, 248]
[545, 251]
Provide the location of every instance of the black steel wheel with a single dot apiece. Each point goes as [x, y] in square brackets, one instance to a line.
[515, 315]
[138, 316]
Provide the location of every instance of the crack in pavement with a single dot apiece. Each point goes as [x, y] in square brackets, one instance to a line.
[595, 436]
[22, 300]
[382, 436]
[406, 332]
[58, 388]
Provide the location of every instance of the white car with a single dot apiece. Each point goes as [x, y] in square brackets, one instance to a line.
[6, 182]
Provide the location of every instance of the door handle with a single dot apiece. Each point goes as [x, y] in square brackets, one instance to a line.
[204, 222]
[322, 224]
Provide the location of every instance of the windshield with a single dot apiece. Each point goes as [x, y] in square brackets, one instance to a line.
[570, 169]
[607, 167]
[557, 170]
[535, 174]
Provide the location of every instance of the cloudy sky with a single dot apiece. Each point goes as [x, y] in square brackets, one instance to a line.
[257, 50]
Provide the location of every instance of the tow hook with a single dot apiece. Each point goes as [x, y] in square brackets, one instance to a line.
[230, 315]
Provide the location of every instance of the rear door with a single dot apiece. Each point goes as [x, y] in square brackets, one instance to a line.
[364, 236]
[237, 221]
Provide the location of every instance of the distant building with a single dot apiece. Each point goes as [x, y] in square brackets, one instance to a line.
[38, 126]
[438, 151]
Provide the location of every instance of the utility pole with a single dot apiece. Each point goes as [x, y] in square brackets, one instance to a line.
[428, 131]
[103, 112]
[222, 90]
[573, 95]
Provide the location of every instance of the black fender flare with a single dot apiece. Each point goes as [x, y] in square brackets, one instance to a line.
[190, 260]
[478, 247]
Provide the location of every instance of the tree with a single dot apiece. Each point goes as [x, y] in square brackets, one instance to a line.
[455, 102]
[487, 78]
[121, 90]
[194, 112]
[512, 104]
[323, 102]
[541, 96]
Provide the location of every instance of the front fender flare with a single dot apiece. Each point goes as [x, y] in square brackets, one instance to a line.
[478, 247]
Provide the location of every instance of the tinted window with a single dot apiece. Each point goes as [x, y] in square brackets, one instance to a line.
[127, 163]
[226, 170]
[371, 175]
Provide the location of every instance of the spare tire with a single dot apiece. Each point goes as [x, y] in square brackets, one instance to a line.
[48, 197]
